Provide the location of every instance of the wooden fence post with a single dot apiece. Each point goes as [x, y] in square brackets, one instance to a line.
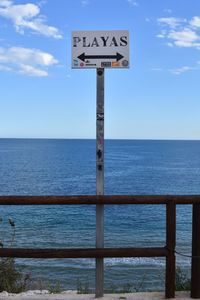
[195, 276]
[170, 243]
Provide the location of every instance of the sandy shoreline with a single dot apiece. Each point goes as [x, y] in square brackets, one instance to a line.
[72, 295]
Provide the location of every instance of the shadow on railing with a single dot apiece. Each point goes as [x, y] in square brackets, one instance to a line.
[167, 251]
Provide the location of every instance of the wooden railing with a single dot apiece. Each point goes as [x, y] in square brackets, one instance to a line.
[167, 251]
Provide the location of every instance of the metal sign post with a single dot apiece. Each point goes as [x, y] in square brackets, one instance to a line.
[100, 179]
[99, 50]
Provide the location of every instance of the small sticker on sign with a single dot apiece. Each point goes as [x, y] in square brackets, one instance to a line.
[100, 117]
[115, 64]
[125, 63]
[75, 62]
[105, 64]
[91, 65]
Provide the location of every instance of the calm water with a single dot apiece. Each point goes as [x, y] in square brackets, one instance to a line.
[64, 167]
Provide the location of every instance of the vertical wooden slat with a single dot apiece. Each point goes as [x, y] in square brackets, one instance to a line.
[170, 243]
[100, 181]
[195, 271]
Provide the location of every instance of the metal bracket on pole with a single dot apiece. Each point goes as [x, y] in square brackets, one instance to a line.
[100, 180]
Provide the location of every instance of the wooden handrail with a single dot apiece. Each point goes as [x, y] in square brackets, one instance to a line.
[95, 200]
[84, 252]
[167, 251]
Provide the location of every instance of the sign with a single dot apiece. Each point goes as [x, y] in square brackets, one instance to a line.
[100, 49]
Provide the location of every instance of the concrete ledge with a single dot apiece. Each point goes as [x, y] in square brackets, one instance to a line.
[71, 295]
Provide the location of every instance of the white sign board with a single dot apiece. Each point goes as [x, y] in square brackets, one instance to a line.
[100, 49]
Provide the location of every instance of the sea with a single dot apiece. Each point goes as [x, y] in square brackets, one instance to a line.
[68, 167]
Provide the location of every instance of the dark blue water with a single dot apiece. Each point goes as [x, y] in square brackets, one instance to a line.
[67, 167]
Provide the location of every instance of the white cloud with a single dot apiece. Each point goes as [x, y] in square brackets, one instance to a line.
[5, 68]
[41, 3]
[5, 3]
[180, 32]
[162, 34]
[32, 71]
[195, 22]
[157, 69]
[133, 2]
[171, 21]
[168, 10]
[181, 70]
[27, 16]
[85, 2]
[32, 62]
[184, 38]
[170, 45]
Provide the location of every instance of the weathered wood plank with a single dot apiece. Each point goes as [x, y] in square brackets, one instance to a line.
[195, 271]
[98, 199]
[170, 244]
[84, 253]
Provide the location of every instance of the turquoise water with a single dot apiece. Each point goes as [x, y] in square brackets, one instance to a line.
[67, 167]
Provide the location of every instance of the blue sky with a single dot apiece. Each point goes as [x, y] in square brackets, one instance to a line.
[156, 98]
